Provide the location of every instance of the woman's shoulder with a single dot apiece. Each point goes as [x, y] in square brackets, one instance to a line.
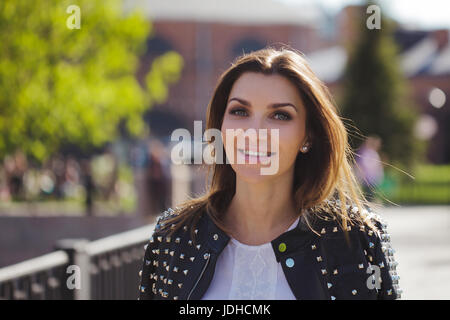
[370, 227]
[374, 242]
[176, 223]
[328, 220]
[166, 216]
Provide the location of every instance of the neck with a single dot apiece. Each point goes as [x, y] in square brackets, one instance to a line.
[260, 212]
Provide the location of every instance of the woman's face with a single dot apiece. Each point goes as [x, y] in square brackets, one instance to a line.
[259, 101]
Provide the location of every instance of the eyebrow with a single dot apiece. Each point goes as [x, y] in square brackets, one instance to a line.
[272, 105]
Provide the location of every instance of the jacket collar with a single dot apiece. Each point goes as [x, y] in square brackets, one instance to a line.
[217, 239]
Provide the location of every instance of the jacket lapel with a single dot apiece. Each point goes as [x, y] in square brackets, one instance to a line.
[299, 253]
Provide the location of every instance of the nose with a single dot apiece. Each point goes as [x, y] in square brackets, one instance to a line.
[257, 122]
[258, 140]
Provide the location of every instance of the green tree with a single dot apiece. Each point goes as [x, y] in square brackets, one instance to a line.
[74, 86]
[375, 95]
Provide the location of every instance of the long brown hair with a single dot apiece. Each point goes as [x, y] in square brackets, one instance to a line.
[322, 174]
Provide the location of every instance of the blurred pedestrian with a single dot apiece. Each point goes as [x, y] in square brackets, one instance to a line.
[15, 168]
[369, 167]
[58, 167]
[89, 186]
[156, 177]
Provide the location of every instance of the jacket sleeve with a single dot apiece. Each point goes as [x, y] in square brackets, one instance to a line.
[148, 269]
[147, 274]
[387, 266]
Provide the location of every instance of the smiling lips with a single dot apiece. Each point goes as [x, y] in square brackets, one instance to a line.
[256, 153]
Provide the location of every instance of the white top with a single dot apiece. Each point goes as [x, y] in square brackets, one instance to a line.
[245, 272]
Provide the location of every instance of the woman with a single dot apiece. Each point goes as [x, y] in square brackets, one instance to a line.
[302, 232]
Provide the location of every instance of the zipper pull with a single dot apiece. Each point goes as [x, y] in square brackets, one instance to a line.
[206, 256]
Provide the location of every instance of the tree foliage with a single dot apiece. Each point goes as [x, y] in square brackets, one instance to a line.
[61, 85]
[375, 95]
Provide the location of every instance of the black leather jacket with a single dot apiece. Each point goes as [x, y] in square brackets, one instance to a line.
[316, 267]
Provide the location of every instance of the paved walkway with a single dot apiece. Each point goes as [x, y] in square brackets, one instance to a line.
[420, 236]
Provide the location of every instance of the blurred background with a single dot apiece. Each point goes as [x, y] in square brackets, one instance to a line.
[91, 91]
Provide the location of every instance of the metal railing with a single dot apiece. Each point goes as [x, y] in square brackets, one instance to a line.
[38, 278]
[104, 269]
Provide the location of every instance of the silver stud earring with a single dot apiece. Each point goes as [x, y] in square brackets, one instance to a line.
[305, 147]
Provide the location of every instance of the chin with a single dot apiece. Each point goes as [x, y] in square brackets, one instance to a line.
[252, 173]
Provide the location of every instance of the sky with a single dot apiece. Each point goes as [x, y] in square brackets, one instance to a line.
[424, 14]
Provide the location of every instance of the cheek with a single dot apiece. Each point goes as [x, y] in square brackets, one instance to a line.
[227, 145]
[232, 125]
[229, 123]
[225, 125]
[291, 138]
